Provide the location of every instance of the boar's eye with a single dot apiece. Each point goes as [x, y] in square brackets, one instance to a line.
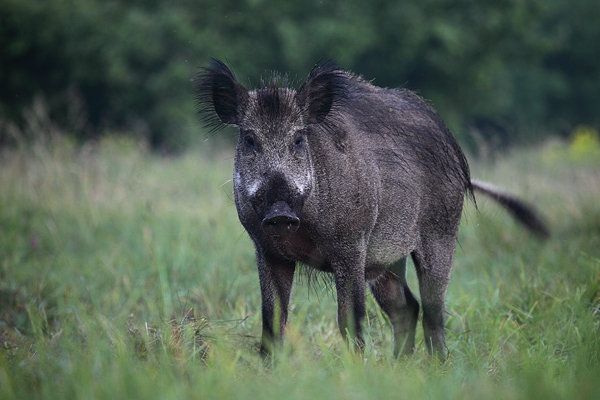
[249, 141]
[299, 141]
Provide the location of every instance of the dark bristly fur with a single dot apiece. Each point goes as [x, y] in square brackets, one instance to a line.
[348, 178]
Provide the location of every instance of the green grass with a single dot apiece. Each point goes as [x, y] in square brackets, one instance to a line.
[127, 275]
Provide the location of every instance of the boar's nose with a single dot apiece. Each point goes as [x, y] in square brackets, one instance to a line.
[280, 220]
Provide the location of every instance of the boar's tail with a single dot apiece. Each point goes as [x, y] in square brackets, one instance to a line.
[523, 212]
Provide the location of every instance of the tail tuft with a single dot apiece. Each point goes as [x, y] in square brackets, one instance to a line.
[523, 212]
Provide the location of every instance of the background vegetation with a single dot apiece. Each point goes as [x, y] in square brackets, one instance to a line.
[124, 274]
[496, 70]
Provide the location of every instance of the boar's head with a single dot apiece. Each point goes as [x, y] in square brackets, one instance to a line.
[273, 172]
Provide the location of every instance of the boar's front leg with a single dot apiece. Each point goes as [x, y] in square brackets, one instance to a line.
[276, 279]
[350, 286]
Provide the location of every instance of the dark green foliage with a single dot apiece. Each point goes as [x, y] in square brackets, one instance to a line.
[492, 68]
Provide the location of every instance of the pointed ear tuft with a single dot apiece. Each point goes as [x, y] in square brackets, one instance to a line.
[219, 96]
[324, 88]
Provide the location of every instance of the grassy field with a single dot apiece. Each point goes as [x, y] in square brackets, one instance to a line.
[127, 275]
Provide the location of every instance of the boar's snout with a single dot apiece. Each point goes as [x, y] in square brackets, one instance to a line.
[280, 220]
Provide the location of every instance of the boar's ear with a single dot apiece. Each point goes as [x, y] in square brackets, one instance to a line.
[324, 88]
[219, 94]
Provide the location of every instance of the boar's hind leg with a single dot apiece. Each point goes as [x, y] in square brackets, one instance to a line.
[433, 263]
[276, 280]
[396, 300]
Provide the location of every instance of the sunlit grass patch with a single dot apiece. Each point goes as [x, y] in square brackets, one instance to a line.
[583, 147]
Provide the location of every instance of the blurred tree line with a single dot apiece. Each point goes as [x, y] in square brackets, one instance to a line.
[500, 70]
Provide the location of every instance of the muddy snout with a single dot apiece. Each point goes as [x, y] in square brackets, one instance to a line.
[280, 220]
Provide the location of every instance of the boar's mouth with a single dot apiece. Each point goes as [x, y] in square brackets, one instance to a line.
[280, 220]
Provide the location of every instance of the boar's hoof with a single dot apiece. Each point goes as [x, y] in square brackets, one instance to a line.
[281, 220]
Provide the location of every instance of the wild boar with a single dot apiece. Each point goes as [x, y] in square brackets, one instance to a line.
[350, 179]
